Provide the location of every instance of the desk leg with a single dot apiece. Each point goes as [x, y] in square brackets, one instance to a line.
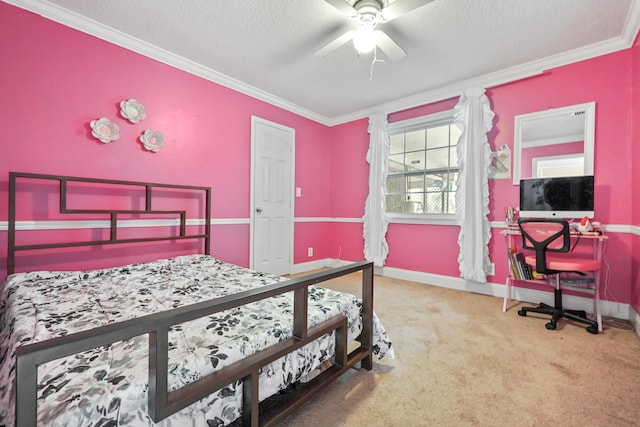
[597, 253]
[507, 294]
[507, 291]
[596, 304]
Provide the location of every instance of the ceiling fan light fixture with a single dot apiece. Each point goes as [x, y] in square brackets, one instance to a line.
[364, 39]
[366, 14]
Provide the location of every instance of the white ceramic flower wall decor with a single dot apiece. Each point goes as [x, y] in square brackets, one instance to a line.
[104, 130]
[132, 110]
[152, 140]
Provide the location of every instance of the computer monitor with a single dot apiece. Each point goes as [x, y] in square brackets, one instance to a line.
[561, 197]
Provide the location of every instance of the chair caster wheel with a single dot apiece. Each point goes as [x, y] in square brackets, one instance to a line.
[522, 312]
[550, 325]
[593, 329]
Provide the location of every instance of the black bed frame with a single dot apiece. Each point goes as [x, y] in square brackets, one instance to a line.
[163, 403]
[113, 213]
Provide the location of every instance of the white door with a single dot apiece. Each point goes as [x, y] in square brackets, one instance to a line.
[272, 207]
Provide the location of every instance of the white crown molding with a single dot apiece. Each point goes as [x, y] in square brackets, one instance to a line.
[81, 23]
[632, 24]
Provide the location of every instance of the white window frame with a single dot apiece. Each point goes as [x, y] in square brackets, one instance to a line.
[409, 125]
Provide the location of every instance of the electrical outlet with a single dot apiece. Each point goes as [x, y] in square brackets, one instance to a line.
[310, 252]
[492, 270]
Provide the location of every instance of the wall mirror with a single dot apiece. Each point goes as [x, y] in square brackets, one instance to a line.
[554, 142]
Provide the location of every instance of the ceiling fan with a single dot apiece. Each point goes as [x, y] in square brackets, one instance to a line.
[367, 14]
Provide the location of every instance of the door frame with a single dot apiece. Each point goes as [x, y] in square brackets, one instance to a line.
[252, 217]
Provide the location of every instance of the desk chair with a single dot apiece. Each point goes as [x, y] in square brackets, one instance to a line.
[552, 235]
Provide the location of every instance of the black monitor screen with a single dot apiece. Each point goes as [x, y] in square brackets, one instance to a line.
[562, 197]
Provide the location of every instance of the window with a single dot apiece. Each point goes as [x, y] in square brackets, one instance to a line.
[423, 165]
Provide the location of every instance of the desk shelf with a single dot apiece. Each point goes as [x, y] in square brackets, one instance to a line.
[538, 281]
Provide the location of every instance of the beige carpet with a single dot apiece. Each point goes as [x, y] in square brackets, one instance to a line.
[461, 361]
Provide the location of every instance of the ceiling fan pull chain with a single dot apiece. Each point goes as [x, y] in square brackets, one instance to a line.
[375, 59]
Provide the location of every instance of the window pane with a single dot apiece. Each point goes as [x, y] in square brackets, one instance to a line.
[438, 136]
[414, 161]
[455, 134]
[435, 202]
[453, 155]
[394, 203]
[452, 203]
[438, 158]
[414, 203]
[452, 184]
[415, 183]
[415, 140]
[396, 163]
[436, 181]
[395, 184]
[396, 144]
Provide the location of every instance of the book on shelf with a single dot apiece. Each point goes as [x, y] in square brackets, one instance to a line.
[525, 271]
[521, 270]
[512, 263]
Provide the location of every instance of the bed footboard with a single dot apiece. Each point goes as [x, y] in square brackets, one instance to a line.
[162, 402]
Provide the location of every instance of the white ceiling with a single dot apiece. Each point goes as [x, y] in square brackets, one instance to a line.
[265, 47]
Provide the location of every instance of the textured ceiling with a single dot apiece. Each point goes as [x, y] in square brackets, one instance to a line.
[265, 47]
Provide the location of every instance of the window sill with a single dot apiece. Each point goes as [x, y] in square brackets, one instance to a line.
[433, 219]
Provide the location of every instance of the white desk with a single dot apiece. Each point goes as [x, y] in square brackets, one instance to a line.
[598, 251]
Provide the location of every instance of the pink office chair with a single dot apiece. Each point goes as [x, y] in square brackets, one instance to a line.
[552, 235]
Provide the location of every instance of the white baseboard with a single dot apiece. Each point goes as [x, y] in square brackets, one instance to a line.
[308, 266]
[635, 320]
[317, 265]
[607, 308]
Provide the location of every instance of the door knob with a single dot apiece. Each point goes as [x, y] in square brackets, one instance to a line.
[259, 210]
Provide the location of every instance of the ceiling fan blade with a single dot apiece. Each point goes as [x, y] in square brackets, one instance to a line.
[389, 47]
[331, 46]
[343, 7]
[400, 7]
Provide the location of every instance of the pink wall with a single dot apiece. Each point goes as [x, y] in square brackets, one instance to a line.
[349, 180]
[55, 80]
[422, 110]
[347, 174]
[635, 181]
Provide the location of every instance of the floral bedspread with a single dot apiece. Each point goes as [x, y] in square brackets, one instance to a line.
[108, 385]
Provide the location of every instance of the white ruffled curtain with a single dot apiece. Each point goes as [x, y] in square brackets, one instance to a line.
[473, 115]
[375, 218]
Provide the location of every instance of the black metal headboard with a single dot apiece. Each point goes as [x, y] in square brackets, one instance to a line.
[113, 213]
